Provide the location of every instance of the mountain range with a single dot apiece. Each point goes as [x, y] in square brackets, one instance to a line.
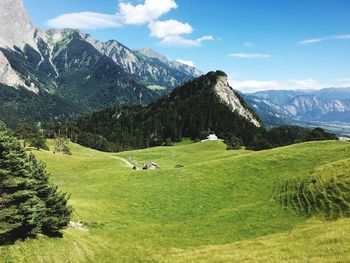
[290, 106]
[73, 71]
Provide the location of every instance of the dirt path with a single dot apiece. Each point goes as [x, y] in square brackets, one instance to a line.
[129, 164]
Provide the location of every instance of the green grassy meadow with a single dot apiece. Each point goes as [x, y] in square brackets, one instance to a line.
[218, 208]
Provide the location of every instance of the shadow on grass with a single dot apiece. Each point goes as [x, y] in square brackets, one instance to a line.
[11, 240]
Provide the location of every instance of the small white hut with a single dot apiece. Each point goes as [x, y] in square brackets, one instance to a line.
[212, 137]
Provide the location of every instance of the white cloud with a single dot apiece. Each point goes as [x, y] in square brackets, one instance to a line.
[249, 45]
[85, 20]
[310, 41]
[345, 82]
[186, 62]
[250, 86]
[254, 85]
[323, 39]
[145, 13]
[303, 83]
[169, 31]
[127, 14]
[180, 41]
[249, 56]
[171, 27]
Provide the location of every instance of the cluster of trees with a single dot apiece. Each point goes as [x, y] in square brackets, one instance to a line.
[286, 135]
[63, 131]
[29, 203]
[31, 136]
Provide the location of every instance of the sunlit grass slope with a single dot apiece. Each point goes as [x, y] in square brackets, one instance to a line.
[312, 242]
[219, 207]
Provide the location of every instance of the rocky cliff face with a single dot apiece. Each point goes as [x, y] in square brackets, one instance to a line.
[16, 31]
[232, 99]
[16, 28]
[8, 75]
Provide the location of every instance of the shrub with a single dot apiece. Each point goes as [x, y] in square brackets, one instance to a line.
[233, 143]
[168, 142]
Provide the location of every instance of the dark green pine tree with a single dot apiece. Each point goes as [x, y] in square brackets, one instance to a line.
[57, 212]
[27, 201]
[20, 209]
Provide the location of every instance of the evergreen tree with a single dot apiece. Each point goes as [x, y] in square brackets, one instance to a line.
[57, 213]
[24, 132]
[20, 209]
[27, 201]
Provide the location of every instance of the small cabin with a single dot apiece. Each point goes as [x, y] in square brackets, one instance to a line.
[212, 137]
[150, 166]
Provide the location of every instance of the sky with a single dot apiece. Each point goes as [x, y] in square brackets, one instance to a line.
[260, 44]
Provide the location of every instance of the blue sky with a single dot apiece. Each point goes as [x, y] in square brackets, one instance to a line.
[260, 44]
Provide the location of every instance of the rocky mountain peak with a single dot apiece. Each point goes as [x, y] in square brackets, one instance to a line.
[16, 28]
[148, 52]
[230, 97]
[16, 31]
[56, 35]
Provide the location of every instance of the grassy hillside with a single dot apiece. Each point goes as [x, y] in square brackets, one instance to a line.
[218, 208]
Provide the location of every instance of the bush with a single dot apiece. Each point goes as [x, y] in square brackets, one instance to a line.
[38, 142]
[259, 144]
[204, 135]
[233, 143]
[168, 142]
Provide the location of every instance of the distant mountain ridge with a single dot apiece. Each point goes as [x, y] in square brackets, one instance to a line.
[315, 108]
[325, 105]
[269, 111]
[72, 66]
[192, 71]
